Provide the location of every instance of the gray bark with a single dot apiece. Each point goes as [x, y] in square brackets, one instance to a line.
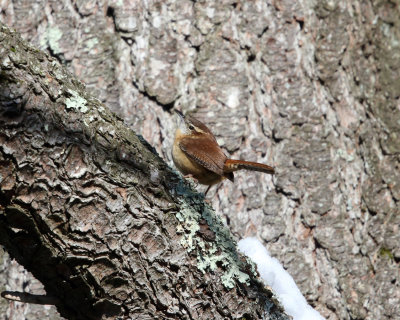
[92, 211]
[311, 87]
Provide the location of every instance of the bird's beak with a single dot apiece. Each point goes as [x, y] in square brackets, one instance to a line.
[181, 121]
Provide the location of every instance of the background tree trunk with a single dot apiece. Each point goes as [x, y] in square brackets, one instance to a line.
[92, 211]
[310, 87]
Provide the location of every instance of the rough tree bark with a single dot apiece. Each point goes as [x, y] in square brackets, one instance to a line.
[309, 86]
[92, 211]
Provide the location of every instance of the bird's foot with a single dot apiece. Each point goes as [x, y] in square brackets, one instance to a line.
[193, 179]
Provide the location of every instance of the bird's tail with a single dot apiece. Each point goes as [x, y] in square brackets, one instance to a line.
[234, 165]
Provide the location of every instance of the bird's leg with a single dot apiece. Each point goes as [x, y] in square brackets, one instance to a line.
[205, 193]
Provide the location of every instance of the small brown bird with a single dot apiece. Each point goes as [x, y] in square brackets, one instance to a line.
[197, 154]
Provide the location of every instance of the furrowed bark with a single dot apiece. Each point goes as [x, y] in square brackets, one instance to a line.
[96, 215]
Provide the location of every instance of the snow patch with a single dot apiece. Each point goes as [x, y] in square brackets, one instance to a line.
[272, 272]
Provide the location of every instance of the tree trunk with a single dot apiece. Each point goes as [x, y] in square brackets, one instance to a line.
[311, 87]
[92, 211]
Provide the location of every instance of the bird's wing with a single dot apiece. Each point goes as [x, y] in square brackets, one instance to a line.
[205, 152]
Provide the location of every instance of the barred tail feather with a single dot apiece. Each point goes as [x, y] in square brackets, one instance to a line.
[234, 165]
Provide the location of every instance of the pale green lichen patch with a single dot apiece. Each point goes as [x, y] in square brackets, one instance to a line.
[188, 219]
[51, 39]
[91, 43]
[76, 102]
[345, 155]
[234, 272]
[36, 69]
[221, 252]
[88, 120]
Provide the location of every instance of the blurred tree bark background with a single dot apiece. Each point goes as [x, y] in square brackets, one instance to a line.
[311, 87]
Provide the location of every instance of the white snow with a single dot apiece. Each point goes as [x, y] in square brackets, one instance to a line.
[279, 279]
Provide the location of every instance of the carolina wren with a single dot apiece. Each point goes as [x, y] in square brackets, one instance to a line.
[197, 154]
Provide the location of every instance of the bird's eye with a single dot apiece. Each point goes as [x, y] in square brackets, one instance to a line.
[191, 127]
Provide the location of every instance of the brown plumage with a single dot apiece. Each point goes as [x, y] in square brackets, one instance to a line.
[196, 153]
[234, 165]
